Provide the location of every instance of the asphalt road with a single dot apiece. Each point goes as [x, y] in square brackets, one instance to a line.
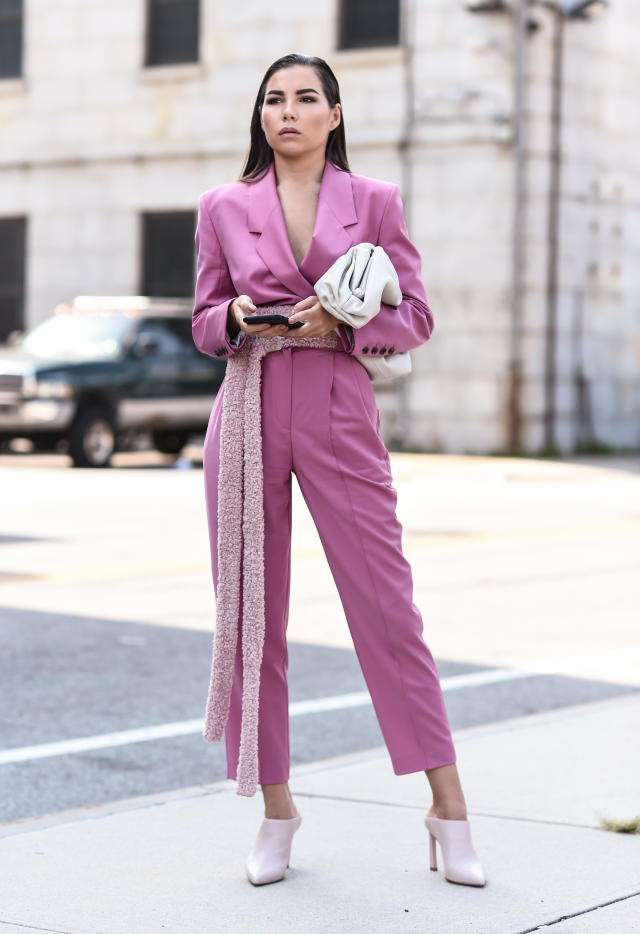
[526, 572]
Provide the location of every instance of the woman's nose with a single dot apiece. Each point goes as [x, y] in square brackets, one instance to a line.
[289, 109]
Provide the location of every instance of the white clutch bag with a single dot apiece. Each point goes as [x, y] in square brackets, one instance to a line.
[352, 290]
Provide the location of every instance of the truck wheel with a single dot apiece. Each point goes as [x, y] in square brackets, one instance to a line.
[92, 438]
[169, 442]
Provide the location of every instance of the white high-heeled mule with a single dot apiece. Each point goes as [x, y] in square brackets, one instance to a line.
[461, 863]
[269, 858]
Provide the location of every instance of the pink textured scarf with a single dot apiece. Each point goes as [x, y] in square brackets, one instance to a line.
[241, 544]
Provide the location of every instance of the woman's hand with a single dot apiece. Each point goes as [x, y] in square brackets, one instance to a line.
[317, 320]
[243, 306]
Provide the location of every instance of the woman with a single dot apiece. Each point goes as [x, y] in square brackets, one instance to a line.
[263, 241]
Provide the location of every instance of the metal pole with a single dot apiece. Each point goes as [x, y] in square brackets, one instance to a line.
[555, 170]
[407, 28]
[518, 253]
[404, 144]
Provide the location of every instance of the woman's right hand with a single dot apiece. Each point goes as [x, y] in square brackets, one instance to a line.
[243, 306]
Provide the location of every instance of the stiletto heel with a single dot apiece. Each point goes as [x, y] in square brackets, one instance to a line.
[461, 863]
[271, 853]
[434, 861]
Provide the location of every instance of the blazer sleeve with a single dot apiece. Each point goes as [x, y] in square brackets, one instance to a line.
[214, 292]
[410, 324]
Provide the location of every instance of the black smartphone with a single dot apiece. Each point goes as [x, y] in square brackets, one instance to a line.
[271, 319]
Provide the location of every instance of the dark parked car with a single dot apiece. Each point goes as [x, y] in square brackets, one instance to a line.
[99, 371]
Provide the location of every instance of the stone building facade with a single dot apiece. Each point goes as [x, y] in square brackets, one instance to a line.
[100, 146]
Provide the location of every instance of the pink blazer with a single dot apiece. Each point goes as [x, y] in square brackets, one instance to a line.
[243, 249]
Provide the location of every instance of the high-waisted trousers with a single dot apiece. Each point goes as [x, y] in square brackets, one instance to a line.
[320, 421]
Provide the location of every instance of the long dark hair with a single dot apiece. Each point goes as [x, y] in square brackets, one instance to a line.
[260, 155]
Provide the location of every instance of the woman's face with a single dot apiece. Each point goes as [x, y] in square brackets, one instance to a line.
[296, 116]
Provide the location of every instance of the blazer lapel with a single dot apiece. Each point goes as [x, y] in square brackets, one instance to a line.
[335, 211]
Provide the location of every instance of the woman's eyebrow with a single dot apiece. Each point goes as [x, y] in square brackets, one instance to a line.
[301, 91]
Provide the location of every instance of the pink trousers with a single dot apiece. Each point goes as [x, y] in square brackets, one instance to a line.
[320, 420]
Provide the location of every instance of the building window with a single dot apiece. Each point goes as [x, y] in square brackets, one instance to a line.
[368, 23]
[172, 31]
[12, 249]
[10, 38]
[168, 254]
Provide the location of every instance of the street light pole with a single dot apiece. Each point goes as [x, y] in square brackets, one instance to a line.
[407, 31]
[553, 216]
[518, 253]
[561, 10]
[407, 27]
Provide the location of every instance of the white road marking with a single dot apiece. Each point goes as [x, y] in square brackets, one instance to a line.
[317, 705]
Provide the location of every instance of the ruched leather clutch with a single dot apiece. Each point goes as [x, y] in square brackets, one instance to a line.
[352, 290]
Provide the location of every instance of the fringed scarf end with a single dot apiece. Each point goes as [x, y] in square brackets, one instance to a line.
[212, 736]
[241, 523]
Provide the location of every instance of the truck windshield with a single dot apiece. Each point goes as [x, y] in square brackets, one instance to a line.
[97, 336]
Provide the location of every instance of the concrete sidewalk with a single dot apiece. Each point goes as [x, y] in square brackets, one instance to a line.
[174, 863]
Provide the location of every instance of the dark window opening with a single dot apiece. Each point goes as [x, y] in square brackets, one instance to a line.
[12, 263]
[172, 31]
[369, 23]
[168, 254]
[10, 38]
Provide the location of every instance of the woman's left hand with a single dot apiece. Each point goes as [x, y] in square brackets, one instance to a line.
[317, 320]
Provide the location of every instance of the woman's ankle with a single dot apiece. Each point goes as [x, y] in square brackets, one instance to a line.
[278, 802]
[281, 810]
[448, 810]
[280, 814]
[447, 794]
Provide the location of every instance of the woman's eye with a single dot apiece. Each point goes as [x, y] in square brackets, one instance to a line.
[277, 100]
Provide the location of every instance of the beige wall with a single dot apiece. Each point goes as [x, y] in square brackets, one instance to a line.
[599, 279]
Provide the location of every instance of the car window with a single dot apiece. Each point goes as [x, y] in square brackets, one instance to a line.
[94, 336]
[169, 342]
[180, 328]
